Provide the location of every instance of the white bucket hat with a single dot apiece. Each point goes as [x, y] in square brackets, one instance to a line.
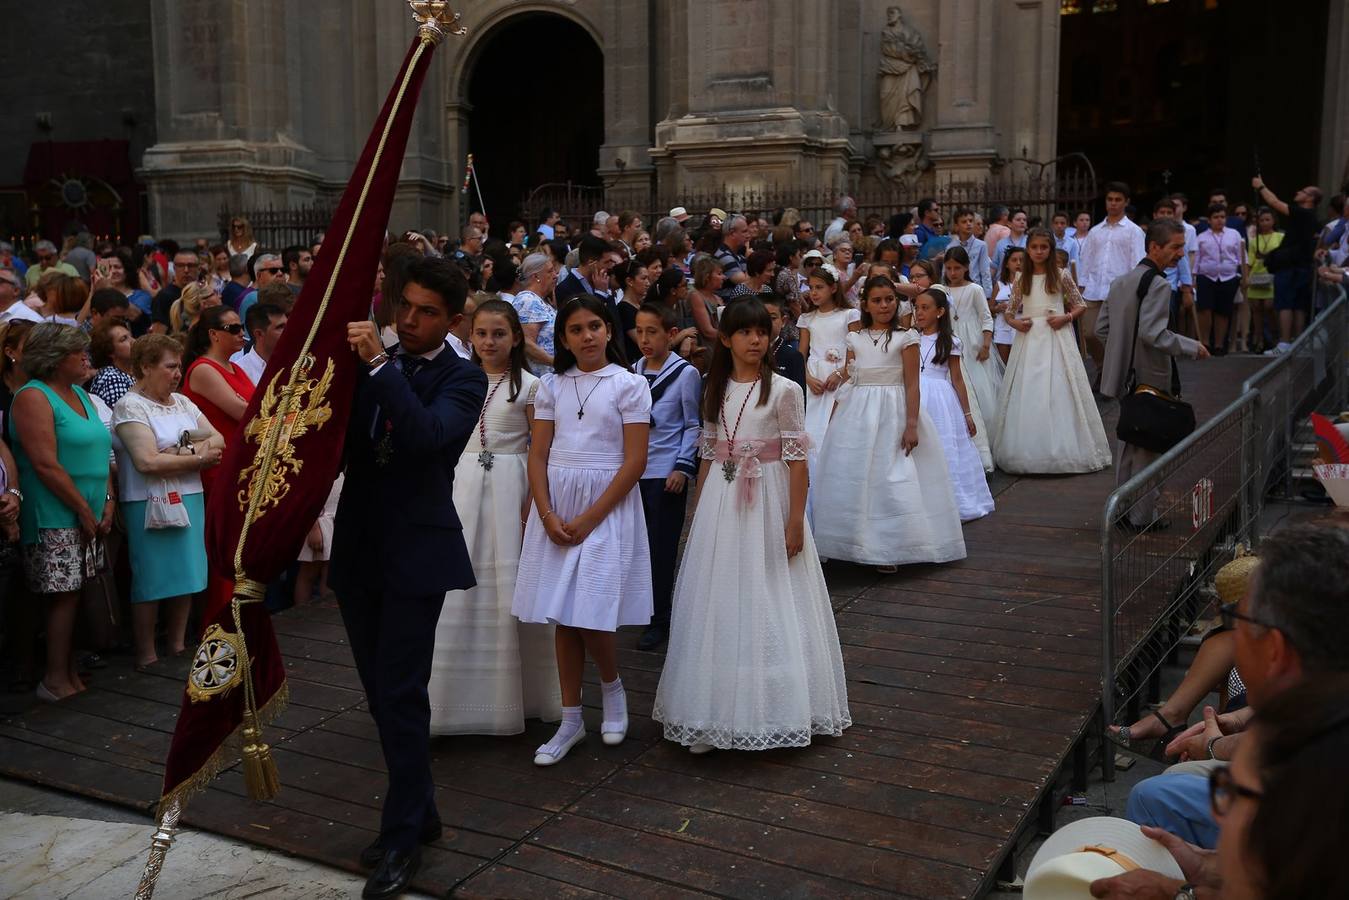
[1080, 852]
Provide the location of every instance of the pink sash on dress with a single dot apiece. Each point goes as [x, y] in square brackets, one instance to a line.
[748, 456]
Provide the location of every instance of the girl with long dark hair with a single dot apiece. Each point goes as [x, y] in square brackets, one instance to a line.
[490, 672]
[882, 493]
[947, 403]
[585, 566]
[751, 559]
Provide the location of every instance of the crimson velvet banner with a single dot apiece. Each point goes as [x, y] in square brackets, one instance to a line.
[281, 462]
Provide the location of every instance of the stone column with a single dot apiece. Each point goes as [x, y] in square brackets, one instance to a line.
[962, 138]
[226, 130]
[629, 53]
[1333, 171]
[752, 83]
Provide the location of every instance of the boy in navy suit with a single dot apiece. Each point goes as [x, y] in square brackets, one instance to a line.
[671, 458]
[398, 545]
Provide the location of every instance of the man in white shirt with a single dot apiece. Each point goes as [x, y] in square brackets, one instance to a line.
[11, 299]
[461, 330]
[1112, 248]
[265, 322]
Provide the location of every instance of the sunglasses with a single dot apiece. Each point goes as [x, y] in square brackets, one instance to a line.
[1223, 789]
[813, 262]
[234, 328]
[272, 270]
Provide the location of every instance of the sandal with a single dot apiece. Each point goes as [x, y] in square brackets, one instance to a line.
[887, 570]
[1157, 751]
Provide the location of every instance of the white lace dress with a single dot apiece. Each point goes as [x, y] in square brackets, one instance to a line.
[490, 671]
[754, 659]
[963, 457]
[970, 318]
[1049, 423]
[828, 353]
[875, 504]
[604, 582]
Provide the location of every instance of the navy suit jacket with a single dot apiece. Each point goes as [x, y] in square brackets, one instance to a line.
[396, 532]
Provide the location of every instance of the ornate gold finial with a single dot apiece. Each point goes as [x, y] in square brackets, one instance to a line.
[435, 19]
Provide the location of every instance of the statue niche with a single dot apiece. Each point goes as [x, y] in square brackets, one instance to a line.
[904, 74]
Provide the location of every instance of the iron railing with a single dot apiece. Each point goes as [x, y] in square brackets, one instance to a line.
[277, 228]
[1201, 499]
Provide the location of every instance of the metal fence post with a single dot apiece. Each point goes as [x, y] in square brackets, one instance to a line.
[1108, 637]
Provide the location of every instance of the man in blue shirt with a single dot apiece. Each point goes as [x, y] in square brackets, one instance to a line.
[1178, 276]
[1063, 241]
[671, 458]
[929, 214]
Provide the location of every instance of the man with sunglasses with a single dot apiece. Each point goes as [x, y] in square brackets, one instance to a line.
[186, 269]
[1291, 625]
[48, 261]
[267, 268]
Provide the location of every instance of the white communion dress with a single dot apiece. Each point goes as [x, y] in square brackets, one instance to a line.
[942, 405]
[1049, 423]
[754, 660]
[603, 582]
[875, 504]
[489, 671]
[828, 354]
[970, 318]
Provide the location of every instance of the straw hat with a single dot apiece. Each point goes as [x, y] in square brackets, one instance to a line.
[1234, 579]
[1080, 852]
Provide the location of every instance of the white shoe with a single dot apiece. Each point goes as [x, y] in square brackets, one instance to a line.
[613, 733]
[700, 749]
[546, 757]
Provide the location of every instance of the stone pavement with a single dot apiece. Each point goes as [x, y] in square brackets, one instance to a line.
[55, 845]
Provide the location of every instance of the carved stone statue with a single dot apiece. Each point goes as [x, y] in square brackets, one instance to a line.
[904, 74]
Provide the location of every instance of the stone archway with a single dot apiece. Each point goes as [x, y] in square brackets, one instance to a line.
[535, 73]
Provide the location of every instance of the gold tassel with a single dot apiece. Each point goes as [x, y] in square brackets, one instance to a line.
[260, 776]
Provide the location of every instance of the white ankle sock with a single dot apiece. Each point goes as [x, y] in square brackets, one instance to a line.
[571, 724]
[615, 702]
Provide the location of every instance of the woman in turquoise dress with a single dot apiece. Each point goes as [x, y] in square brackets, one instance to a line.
[61, 450]
[162, 441]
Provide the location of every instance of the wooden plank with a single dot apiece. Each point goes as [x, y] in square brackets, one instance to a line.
[681, 861]
[1013, 626]
[1086, 649]
[848, 864]
[564, 875]
[1067, 670]
[819, 817]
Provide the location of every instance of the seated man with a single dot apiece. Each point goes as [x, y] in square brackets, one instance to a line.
[1291, 625]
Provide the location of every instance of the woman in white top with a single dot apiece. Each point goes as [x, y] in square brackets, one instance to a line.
[162, 442]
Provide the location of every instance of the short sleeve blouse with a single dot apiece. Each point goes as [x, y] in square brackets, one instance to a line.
[168, 422]
[534, 310]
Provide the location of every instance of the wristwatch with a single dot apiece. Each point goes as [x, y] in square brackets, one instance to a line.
[1185, 892]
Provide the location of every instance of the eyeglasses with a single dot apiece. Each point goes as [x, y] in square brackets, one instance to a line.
[813, 262]
[1223, 789]
[1229, 614]
[234, 328]
[809, 229]
[195, 264]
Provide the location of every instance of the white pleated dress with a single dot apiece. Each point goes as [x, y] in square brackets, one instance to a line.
[941, 404]
[970, 318]
[874, 504]
[491, 671]
[605, 581]
[828, 353]
[1049, 423]
[754, 659]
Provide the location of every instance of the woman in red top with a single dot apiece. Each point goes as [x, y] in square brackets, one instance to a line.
[220, 389]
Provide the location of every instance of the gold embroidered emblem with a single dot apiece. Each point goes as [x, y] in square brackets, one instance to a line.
[302, 405]
[215, 665]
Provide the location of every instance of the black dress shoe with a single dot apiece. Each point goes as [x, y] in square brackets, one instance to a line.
[392, 874]
[653, 637]
[371, 855]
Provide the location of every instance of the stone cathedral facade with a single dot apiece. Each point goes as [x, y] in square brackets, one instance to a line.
[264, 102]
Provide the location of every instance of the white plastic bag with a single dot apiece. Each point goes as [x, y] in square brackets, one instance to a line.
[164, 507]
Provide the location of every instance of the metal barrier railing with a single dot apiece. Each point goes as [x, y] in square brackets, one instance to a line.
[1200, 499]
[1296, 383]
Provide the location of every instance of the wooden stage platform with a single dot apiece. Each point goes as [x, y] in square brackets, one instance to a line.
[969, 684]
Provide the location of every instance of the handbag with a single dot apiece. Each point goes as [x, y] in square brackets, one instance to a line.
[164, 507]
[1149, 417]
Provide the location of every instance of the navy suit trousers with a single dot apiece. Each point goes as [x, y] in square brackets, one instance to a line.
[392, 639]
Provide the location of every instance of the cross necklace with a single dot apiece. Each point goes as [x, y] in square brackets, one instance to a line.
[728, 467]
[485, 457]
[581, 404]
